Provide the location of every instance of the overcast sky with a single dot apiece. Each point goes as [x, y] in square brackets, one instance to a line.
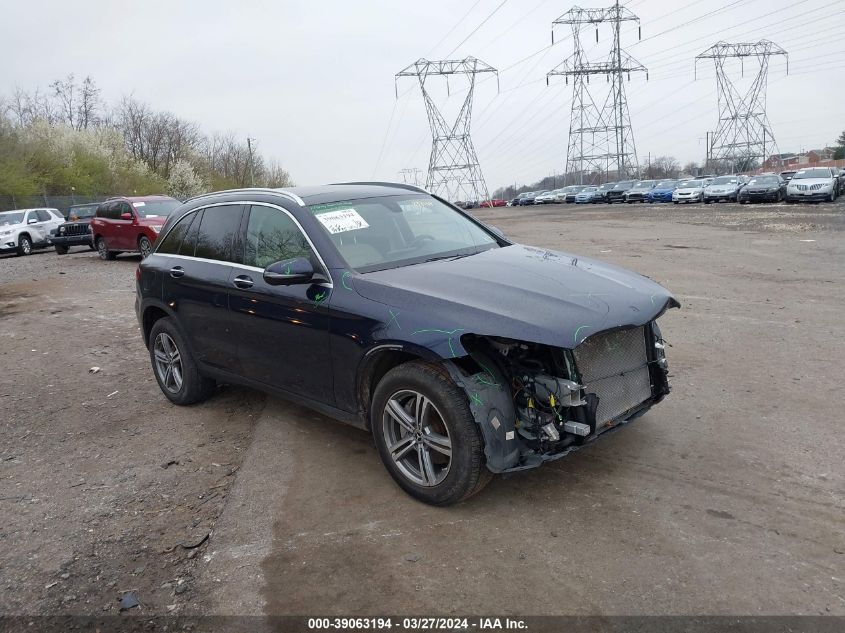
[313, 81]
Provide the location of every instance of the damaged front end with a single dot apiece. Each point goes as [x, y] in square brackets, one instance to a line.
[535, 403]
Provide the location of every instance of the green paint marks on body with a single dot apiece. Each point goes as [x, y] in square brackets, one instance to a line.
[578, 331]
[393, 318]
[449, 333]
[476, 400]
[346, 275]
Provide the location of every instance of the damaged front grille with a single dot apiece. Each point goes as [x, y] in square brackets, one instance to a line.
[614, 366]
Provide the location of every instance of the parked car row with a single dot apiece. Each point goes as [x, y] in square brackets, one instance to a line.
[810, 184]
[117, 225]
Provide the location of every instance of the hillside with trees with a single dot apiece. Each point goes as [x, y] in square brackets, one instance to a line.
[65, 140]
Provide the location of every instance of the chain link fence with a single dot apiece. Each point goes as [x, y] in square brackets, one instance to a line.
[62, 203]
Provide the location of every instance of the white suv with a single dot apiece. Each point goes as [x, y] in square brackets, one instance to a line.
[25, 229]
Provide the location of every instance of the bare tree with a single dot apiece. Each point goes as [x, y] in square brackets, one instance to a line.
[664, 167]
[65, 94]
[89, 104]
[690, 168]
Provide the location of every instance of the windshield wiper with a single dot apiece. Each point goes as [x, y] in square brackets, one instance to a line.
[442, 257]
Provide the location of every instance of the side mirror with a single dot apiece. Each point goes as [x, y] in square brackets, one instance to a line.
[289, 272]
[125, 216]
[497, 231]
[32, 221]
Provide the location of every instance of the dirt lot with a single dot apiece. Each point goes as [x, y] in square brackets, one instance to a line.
[725, 499]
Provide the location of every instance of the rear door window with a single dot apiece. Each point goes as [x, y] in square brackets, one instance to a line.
[217, 237]
[43, 216]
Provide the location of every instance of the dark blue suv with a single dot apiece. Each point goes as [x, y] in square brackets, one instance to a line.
[386, 307]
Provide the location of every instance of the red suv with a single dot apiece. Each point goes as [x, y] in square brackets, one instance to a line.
[130, 224]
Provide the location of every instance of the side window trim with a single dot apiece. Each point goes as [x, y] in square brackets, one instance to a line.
[242, 236]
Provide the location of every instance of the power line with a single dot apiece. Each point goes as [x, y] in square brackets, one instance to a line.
[475, 30]
[457, 24]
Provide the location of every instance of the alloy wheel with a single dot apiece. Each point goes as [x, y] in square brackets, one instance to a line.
[145, 247]
[102, 249]
[417, 438]
[26, 246]
[168, 362]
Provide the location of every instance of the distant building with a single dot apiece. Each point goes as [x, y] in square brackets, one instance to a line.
[790, 159]
[781, 160]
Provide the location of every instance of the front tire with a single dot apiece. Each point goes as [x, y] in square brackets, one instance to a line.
[103, 250]
[61, 250]
[24, 246]
[426, 435]
[174, 368]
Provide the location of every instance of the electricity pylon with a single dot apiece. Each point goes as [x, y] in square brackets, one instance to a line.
[743, 135]
[600, 138]
[411, 176]
[453, 170]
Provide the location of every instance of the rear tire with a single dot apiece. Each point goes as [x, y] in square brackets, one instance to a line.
[103, 250]
[61, 250]
[174, 367]
[420, 433]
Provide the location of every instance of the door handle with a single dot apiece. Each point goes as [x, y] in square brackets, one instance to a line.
[177, 271]
[242, 281]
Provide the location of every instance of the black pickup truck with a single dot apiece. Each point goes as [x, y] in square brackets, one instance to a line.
[77, 230]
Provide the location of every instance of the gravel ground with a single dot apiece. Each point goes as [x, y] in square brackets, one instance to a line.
[725, 499]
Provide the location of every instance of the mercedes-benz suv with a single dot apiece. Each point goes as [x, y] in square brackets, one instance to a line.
[463, 353]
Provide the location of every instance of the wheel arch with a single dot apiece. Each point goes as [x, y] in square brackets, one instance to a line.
[150, 315]
[376, 363]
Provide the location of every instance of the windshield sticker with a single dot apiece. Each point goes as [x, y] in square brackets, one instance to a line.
[342, 220]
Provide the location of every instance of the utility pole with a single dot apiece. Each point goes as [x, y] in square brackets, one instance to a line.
[251, 169]
[600, 137]
[741, 135]
[453, 169]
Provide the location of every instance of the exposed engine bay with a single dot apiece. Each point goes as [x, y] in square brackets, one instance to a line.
[535, 402]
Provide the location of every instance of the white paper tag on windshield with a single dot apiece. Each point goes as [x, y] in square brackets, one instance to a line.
[138, 204]
[342, 220]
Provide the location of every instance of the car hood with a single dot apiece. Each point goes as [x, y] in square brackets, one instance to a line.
[518, 292]
[154, 221]
[720, 188]
[689, 189]
[8, 227]
[811, 181]
[662, 190]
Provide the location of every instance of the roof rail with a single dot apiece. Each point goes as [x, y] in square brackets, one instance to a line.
[283, 192]
[398, 185]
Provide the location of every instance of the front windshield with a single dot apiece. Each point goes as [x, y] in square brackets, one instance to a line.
[381, 233]
[11, 217]
[665, 184]
[811, 173]
[764, 180]
[588, 189]
[623, 185]
[691, 184]
[82, 211]
[155, 209]
[724, 180]
[644, 184]
[606, 186]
